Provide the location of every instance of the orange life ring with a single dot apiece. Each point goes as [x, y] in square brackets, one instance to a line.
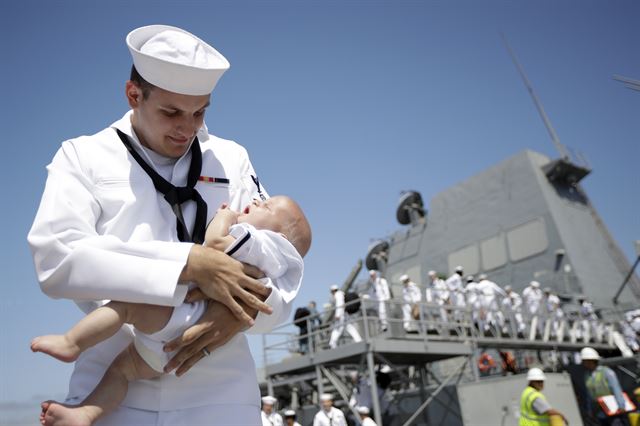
[485, 363]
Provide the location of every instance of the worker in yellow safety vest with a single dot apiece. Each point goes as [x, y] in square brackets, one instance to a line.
[602, 381]
[534, 407]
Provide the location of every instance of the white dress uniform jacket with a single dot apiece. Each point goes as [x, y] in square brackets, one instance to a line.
[533, 298]
[273, 419]
[456, 289]
[411, 295]
[334, 417]
[103, 232]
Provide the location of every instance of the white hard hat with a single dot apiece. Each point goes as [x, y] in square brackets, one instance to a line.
[404, 277]
[333, 288]
[459, 268]
[268, 399]
[431, 273]
[326, 397]
[534, 284]
[289, 413]
[175, 60]
[589, 354]
[535, 375]
[362, 409]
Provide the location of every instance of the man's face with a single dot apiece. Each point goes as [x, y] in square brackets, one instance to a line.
[267, 408]
[326, 405]
[589, 364]
[166, 122]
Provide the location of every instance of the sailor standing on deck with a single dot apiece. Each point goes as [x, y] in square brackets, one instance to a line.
[328, 414]
[553, 312]
[269, 416]
[532, 296]
[379, 292]
[438, 293]
[105, 230]
[411, 296]
[341, 319]
[456, 291]
[365, 420]
[472, 293]
[512, 304]
[490, 294]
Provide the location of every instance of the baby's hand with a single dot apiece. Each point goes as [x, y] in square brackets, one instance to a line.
[225, 212]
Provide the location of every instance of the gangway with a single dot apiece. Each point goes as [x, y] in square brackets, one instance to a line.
[443, 349]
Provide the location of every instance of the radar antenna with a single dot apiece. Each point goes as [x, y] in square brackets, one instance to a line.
[562, 150]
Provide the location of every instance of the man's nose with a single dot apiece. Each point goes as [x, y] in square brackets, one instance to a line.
[187, 126]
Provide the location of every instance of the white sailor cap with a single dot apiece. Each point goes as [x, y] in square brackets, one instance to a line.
[459, 268]
[333, 288]
[404, 277]
[535, 284]
[385, 369]
[431, 273]
[482, 277]
[547, 289]
[362, 409]
[289, 413]
[326, 397]
[268, 399]
[175, 60]
[470, 278]
[508, 288]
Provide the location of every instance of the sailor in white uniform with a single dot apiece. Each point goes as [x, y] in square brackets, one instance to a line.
[473, 298]
[290, 418]
[437, 292]
[365, 420]
[491, 295]
[512, 305]
[554, 315]
[328, 414]
[379, 292]
[341, 320]
[411, 296]
[456, 291]
[532, 297]
[269, 415]
[105, 230]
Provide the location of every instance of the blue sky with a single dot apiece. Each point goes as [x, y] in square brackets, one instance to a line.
[341, 105]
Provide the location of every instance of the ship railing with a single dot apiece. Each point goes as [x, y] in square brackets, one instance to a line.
[431, 321]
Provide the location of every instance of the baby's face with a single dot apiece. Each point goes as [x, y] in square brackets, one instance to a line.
[269, 214]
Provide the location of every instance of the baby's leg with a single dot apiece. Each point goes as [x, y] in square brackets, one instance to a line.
[101, 324]
[105, 398]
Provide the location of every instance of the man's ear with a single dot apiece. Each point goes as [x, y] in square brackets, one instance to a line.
[133, 94]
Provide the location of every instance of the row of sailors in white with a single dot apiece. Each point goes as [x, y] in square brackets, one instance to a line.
[490, 303]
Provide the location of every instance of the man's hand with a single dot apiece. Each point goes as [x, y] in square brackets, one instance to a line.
[215, 328]
[222, 278]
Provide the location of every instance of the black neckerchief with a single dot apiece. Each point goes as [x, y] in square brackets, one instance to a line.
[176, 195]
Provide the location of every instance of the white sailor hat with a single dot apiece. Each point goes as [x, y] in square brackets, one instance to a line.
[482, 277]
[326, 397]
[508, 288]
[470, 278]
[459, 268]
[268, 399]
[362, 409]
[404, 277]
[175, 60]
[534, 284]
[547, 289]
[333, 288]
[431, 273]
[289, 413]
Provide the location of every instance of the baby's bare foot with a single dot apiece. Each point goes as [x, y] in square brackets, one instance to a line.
[58, 346]
[56, 414]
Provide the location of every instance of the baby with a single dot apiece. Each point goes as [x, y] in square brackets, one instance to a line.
[272, 235]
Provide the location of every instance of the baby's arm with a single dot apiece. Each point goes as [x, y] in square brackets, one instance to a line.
[217, 235]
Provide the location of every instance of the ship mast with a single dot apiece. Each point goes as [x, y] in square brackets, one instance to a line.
[562, 150]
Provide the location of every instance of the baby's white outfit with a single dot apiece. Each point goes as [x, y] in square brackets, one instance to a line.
[269, 251]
